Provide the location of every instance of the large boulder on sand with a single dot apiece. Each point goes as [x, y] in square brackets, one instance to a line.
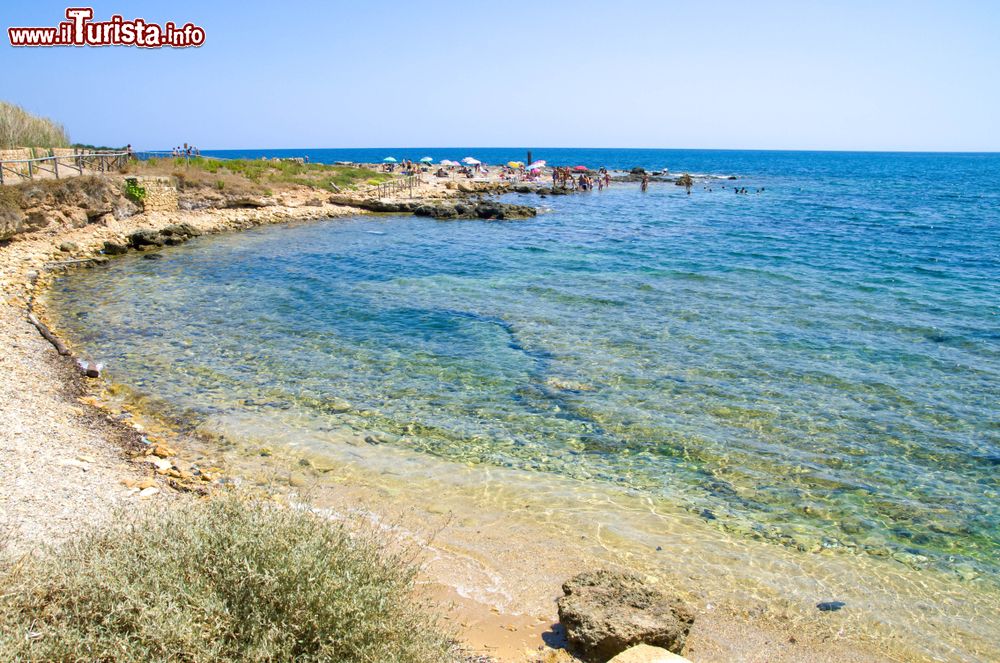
[606, 612]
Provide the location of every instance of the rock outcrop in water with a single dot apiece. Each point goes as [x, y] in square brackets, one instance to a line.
[461, 209]
[177, 233]
[607, 612]
[482, 210]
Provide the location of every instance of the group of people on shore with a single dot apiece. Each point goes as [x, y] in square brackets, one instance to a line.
[406, 167]
[464, 171]
[187, 151]
[564, 177]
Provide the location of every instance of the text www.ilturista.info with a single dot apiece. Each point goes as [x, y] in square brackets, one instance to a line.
[79, 30]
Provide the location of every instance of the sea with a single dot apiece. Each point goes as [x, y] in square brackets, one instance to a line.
[814, 363]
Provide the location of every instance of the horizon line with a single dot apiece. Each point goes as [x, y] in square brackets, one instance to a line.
[556, 147]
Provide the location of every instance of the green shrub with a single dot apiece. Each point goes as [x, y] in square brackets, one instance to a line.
[224, 579]
[133, 190]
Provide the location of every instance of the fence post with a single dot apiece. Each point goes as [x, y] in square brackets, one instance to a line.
[55, 165]
[31, 170]
[1, 173]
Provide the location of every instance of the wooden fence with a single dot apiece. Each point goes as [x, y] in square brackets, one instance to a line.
[18, 170]
[396, 186]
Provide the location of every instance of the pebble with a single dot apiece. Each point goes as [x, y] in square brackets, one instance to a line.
[163, 451]
[148, 492]
[909, 559]
[966, 572]
[72, 462]
[830, 606]
[160, 463]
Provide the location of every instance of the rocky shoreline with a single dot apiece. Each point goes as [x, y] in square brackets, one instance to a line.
[64, 461]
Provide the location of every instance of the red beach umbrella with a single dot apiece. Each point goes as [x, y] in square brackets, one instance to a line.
[581, 168]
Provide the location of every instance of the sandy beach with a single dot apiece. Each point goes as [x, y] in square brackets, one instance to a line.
[498, 542]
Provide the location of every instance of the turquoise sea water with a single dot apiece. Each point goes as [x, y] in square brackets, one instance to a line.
[817, 364]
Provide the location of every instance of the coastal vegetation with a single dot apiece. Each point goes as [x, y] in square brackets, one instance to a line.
[259, 175]
[19, 128]
[225, 579]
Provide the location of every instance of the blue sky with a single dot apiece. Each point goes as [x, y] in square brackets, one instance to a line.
[887, 75]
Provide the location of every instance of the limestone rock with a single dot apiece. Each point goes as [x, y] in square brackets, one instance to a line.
[145, 237]
[606, 612]
[123, 209]
[114, 249]
[647, 654]
[247, 202]
[160, 463]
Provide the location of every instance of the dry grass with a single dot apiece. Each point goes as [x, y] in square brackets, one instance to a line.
[255, 176]
[225, 579]
[19, 128]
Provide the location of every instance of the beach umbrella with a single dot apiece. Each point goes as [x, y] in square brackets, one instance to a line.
[581, 168]
[537, 164]
[427, 160]
[515, 164]
[389, 160]
[470, 161]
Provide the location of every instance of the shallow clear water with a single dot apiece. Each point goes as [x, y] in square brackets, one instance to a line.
[817, 364]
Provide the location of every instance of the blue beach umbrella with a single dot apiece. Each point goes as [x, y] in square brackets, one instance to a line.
[427, 160]
[389, 160]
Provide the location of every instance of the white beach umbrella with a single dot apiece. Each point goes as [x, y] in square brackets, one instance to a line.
[427, 160]
[537, 165]
[470, 161]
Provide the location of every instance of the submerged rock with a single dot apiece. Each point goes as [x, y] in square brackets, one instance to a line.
[830, 606]
[606, 612]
